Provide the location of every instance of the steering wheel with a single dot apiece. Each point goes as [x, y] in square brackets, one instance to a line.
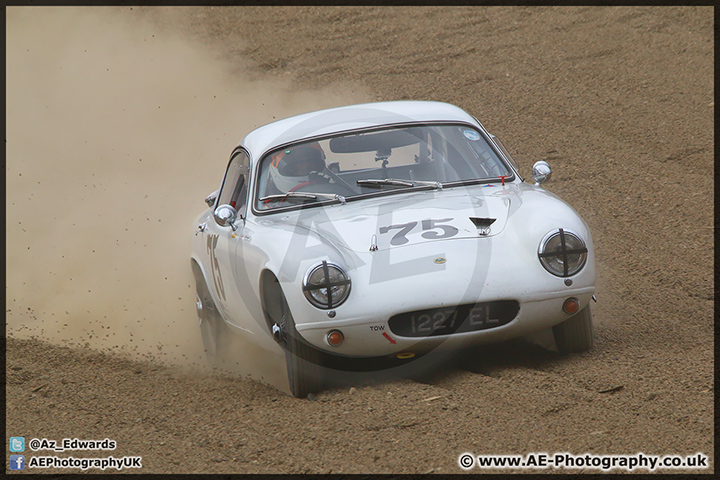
[339, 180]
[301, 185]
[323, 178]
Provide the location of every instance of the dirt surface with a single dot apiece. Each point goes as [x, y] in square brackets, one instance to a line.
[619, 101]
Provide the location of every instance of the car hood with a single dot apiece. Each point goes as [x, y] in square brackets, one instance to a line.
[399, 220]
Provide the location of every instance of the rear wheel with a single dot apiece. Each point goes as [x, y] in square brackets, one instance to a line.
[215, 333]
[303, 361]
[575, 334]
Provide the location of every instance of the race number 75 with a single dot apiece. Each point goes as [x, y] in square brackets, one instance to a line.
[432, 230]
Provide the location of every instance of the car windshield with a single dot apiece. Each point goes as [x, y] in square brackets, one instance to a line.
[390, 160]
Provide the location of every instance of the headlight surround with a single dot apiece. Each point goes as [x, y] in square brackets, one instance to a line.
[562, 252]
[326, 285]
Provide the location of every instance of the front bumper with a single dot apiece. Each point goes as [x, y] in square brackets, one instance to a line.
[371, 336]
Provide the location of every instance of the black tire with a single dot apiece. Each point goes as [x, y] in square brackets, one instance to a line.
[215, 332]
[303, 361]
[575, 334]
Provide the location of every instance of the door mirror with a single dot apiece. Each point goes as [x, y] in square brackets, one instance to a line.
[226, 215]
[541, 172]
[210, 199]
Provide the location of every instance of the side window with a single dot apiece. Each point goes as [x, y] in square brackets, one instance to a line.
[234, 189]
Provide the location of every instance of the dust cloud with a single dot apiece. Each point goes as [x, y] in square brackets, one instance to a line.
[117, 129]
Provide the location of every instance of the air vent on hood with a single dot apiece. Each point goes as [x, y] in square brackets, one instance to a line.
[483, 224]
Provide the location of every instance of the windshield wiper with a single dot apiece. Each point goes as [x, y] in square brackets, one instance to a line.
[376, 182]
[314, 196]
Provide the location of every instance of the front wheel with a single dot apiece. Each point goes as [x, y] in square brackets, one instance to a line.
[575, 334]
[303, 361]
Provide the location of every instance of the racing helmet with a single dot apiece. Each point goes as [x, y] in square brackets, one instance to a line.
[291, 167]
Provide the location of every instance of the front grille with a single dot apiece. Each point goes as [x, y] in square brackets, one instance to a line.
[457, 319]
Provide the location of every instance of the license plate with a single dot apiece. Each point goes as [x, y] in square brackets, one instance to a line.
[449, 320]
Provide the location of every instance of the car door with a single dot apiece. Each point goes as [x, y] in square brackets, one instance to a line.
[222, 240]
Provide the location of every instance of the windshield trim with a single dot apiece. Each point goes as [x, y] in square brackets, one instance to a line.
[382, 192]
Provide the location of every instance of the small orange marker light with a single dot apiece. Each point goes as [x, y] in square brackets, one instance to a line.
[571, 306]
[335, 338]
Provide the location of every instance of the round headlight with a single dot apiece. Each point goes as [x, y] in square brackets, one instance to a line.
[562, 253]
[326, 285]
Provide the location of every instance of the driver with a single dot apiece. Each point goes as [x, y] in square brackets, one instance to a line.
[290, 168]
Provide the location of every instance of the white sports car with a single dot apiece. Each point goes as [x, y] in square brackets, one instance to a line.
[368, 235]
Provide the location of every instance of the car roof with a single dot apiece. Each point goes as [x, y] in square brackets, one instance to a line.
[324, 122]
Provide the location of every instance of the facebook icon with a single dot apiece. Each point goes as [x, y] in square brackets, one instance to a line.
[17, 462]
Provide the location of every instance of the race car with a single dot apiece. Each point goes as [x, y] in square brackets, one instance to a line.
[365, 236]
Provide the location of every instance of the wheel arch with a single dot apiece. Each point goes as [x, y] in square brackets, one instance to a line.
[198, 273]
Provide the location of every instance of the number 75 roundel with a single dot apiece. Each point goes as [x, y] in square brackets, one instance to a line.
[432, 229]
